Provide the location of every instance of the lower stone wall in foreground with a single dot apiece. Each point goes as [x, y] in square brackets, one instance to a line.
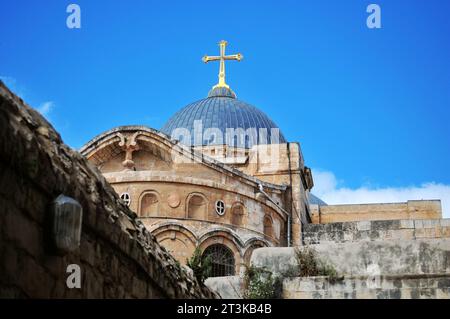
[369, 287]
[367, 269]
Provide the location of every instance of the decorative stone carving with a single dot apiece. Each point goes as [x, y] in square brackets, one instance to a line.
[129, 145]
[67, 215]
[173, 200]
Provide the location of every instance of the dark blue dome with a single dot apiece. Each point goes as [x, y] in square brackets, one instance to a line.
[239, 123]
[314, 200]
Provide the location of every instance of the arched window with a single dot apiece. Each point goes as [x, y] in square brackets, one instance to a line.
[222, 260]
[150, 205]
[268, 226]
[197, 207]
[237, 214]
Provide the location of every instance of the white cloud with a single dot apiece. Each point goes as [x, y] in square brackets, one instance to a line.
[45, 108]
[328, 189]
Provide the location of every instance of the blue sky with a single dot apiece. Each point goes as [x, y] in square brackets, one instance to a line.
[369, 107]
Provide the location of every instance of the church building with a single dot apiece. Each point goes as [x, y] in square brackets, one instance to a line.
[220, 175]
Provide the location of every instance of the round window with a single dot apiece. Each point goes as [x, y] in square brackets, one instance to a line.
[220, 207]
[126, 198]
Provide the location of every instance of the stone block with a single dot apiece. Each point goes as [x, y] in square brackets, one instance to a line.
[443, 293]
[445, 222]
[366, 294]
[445, 232]
[17, 225]
[408, 224]
[348, 236]
[406, 293]
[418, 224]
[362, 235]
[427, 293]
[405, 234]
[92, 284]
[9, 263]
[430, 223]
[382, 294]
[34, 280]
[425, 233]
[443, 283]
[307, 284]
[139, 288]
[395, 294]
[384, 225]
[410, 283]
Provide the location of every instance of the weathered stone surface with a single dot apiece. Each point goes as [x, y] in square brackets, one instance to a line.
[394, 257]
[118, 256]
[375, 230]
[412, 209]
[361, 287]
[228, 287]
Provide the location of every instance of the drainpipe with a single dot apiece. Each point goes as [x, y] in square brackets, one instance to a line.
[261, 189]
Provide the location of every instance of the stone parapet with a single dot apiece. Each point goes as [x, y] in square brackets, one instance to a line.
[413, 209]
[376, 230]
[394, 257]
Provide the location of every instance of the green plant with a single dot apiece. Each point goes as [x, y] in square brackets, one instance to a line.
[329, 271]
[260, 283]
[291, 271]
[200, 265]
[310, 265]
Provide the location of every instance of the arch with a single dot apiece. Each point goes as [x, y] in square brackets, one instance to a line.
[196, 206]
[159, 228]
[149, 204]
[237, 213]
[251, 246]
[268, 226]
[221, 232]
[224, 237]
[177, 239]
[222, 260]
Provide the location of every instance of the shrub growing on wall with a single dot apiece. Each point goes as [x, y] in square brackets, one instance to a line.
[260, 283]
[201, 266]
[310, 265]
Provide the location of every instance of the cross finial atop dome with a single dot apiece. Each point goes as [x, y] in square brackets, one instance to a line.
[222, 58]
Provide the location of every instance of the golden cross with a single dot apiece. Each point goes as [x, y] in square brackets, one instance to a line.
[222, 58]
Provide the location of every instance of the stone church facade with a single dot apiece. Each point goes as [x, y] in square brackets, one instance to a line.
[221, 176]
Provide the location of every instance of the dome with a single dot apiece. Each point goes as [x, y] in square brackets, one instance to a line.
[221, 113]
[314, 200]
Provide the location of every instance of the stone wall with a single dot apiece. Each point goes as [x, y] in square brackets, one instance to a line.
[394, 257]
[365, 270]
[423, 286]
[364, 287]
[376, 230]
[118, 257]
[230, 287]
[413, 209]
